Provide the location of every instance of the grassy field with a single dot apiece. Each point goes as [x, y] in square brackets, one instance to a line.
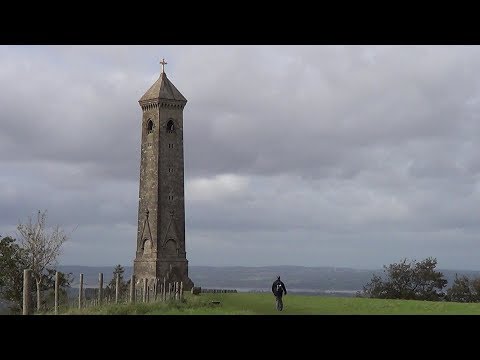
[264, 304]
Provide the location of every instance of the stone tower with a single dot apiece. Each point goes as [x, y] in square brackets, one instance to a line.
[161, 209]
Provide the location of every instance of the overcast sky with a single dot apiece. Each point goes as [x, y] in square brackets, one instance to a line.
[354, 156]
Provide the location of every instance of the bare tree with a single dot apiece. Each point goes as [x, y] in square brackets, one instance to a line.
[42, 247]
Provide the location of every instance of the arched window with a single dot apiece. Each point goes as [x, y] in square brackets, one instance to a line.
[149, 126]
[171, 247]
[147, 247]
[170, 126]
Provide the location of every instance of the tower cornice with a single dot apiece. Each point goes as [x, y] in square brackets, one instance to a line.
[163, 103]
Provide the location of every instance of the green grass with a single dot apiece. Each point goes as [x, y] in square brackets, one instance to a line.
[264, 304]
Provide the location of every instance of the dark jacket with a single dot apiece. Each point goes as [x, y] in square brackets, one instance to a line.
[283, 289]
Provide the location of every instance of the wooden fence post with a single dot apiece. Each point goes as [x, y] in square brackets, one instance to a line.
[100, 288]
[132, 289]
[27, 296]
[80, 292]
[164, 294]
[57, 280]
[117, 288]
[145, 289]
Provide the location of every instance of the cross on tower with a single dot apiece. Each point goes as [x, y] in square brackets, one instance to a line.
[163, 62]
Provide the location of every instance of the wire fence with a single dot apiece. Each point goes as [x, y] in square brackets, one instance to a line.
[141, 290]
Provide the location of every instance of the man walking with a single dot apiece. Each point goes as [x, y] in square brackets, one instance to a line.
[278, 288]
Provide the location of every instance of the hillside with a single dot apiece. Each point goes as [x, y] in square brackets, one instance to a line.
[263, 304]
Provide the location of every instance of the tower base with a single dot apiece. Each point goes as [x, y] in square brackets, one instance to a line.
[171, 270]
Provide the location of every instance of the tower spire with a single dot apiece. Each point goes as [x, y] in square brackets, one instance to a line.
[162, 89]
[163, 63]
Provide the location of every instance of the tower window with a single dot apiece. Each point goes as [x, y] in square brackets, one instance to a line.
[170, 146]
[170, 126]
[149, 126]
[147, 247]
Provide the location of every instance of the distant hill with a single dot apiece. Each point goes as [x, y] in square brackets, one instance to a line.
[3, 307]
[298, 279]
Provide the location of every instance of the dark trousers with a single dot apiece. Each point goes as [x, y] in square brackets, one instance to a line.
[279, 302]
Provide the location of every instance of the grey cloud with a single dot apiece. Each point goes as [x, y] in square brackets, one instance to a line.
[338, 143]
[245, 115]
